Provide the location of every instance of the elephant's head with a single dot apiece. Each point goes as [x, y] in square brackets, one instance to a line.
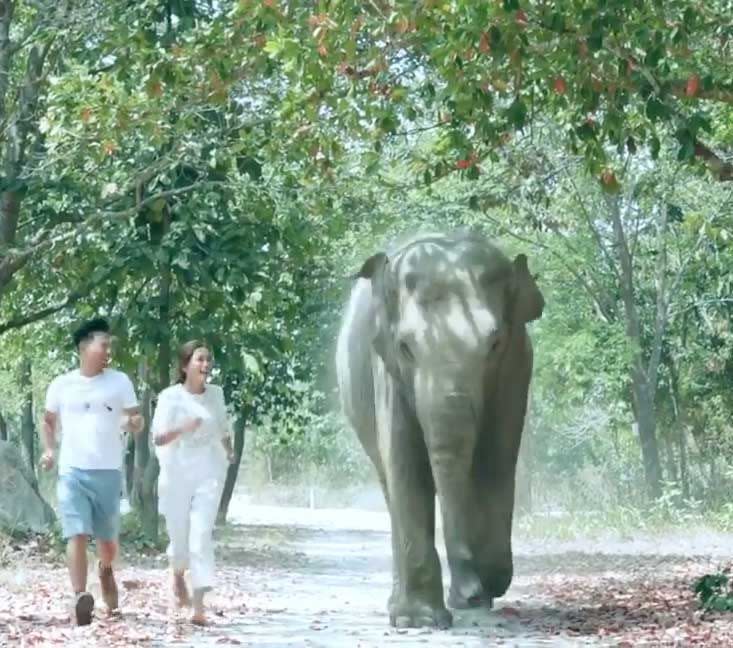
[448, 309]
[445, 308]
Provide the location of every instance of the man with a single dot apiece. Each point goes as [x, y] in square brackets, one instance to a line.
[91, 404]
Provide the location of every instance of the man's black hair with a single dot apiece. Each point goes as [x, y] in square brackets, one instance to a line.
[89, 328]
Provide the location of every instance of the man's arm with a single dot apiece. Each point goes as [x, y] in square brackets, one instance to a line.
[49, 439]
[134, 420]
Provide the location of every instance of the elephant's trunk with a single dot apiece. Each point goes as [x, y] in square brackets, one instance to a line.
[450, 427]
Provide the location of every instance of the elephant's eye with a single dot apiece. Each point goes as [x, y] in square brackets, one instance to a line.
[432, 297]
[410, 282]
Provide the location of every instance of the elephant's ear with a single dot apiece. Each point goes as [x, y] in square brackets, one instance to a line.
[375, 269]
[372, 267]
[529, 302]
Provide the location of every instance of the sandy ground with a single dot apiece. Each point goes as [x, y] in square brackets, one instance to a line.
[320, 577]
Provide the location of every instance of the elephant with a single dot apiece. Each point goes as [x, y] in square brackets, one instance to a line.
[433, 365]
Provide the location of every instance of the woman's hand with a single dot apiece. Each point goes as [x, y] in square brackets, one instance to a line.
[189, 426]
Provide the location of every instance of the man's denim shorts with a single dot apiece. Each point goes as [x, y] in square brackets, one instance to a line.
[89, 502]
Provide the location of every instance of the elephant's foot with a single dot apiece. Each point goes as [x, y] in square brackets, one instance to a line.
[407, 612]
[459, 602]
[466, 590]
[497, 579]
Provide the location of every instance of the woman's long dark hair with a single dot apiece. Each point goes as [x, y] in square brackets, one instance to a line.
[185, 353]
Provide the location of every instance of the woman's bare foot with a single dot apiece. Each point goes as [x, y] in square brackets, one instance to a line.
[199, 612]
[180, 590]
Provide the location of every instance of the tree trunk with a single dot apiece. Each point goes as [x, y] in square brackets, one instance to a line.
[152, 468]
[3, 428]
[647, 429]
[142, 444]
[233, 471]
[150, 499]
[679, 418]
[643, 384]
[671, 460]
[684, 475]
[129, 464]
[27, 428]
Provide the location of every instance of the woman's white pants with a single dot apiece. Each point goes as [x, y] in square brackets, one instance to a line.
[189, 490]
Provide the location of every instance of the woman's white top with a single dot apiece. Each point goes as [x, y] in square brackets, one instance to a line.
[175, 406]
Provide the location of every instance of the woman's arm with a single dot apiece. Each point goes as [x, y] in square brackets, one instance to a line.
[164, 438]
[162, 423]
[224, 425]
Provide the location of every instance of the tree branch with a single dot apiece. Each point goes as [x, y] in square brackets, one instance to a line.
[626, 284]
[6, 53]
[13, 261]
[660, 323]
[721, 169]
[71, 298]
[597, 295]
[594, 230]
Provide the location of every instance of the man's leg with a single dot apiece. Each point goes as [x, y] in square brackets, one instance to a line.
[75, 513]
[76, 555]
[106, 524]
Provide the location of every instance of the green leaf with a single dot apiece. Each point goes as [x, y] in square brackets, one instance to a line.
[595, 40]
[655, 146]
[656, 109]
[517, 113]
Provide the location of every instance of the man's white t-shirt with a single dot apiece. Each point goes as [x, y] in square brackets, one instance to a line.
[90, 414]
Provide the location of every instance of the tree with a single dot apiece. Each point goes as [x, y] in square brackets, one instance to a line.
[610, 73]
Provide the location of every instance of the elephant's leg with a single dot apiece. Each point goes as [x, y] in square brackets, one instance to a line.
[417, 597]
[393, 536]
[496, 562]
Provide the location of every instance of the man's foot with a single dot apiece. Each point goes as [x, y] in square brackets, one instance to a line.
[180, 590]
[109, 587]
[83, 607]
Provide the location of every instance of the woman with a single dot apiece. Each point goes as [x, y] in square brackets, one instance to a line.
[192, 435]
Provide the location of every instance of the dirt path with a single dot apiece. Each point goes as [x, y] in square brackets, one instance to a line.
[301, 577]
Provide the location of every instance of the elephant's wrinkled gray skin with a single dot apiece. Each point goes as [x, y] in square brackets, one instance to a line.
[433, 363]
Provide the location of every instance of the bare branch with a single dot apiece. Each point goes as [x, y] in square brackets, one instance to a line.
[594, 230]
[597, 294]
[704, 302]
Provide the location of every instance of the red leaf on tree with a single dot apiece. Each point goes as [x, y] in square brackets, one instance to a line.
[560, 86]
[693, 86]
